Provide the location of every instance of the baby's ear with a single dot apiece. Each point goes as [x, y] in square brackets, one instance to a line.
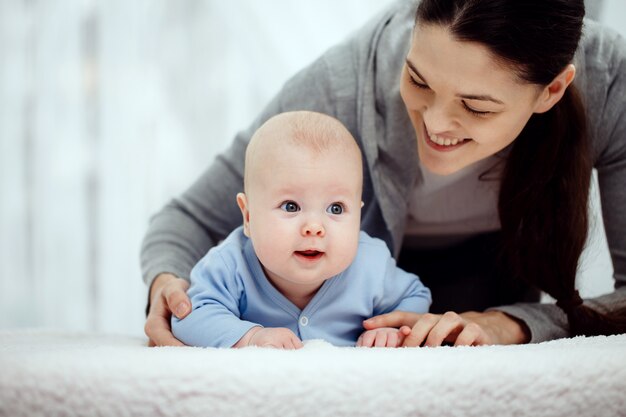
[242, 202]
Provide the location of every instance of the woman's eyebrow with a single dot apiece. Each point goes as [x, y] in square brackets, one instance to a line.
[410, 65]
[482, 97]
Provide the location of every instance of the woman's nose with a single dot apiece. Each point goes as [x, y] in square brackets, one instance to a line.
[438, 117]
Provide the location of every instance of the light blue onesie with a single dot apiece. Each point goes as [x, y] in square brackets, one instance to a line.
[230, 294]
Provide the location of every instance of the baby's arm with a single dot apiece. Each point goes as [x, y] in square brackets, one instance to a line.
[215, 320]
[383, 337]
[399, 290]
[215, 294]
[277, 337]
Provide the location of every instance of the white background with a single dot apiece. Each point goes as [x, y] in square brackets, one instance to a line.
[108, 109]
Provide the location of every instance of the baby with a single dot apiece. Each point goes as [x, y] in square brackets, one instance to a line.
[299, 268]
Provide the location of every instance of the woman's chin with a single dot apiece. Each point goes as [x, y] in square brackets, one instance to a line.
[439, 167]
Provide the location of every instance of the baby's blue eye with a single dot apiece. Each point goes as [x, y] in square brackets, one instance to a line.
[335, 208]
[290, 207]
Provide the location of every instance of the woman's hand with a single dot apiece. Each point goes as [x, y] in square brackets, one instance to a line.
[465, 329]
[168, 294]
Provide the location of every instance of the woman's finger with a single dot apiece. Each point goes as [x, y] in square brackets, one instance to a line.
[447, 328]
[175, 293]
[159, 332]
[471, 335]
[394, 319]
[420, 330]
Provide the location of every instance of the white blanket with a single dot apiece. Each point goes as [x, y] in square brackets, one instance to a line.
[68, 374]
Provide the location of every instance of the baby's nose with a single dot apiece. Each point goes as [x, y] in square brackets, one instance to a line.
[313, 229]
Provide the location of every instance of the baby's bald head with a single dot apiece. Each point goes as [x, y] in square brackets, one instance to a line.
[314, 132]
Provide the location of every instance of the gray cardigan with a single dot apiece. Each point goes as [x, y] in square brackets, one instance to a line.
[358, 82]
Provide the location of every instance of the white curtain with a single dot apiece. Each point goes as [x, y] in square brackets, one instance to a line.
[107, 110]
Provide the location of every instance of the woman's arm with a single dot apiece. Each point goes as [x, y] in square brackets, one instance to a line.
[609, 117]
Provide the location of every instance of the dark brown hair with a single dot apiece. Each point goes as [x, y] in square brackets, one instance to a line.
[543, 201]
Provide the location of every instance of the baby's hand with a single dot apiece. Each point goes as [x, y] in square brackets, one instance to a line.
[383, 337]
[277, 337]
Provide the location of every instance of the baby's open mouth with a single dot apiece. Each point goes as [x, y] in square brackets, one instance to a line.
[310, 254]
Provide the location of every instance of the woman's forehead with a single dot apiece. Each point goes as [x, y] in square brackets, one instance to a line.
[468, 68]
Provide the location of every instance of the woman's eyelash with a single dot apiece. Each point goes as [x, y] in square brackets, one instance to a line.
[465, 106]
[475, 112]
[418, 85]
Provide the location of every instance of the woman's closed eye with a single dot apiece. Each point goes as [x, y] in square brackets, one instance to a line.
[418, 84]
[290, 206]
[475, 112]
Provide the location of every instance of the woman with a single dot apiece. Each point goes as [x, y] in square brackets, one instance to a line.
[491, 205]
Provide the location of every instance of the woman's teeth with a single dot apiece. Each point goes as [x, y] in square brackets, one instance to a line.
[446, 141]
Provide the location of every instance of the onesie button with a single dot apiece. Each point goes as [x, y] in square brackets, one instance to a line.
[304, 321]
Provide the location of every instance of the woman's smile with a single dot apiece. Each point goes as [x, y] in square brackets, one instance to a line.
[443, 143]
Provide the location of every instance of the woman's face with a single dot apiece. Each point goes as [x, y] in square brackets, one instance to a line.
[463, 103]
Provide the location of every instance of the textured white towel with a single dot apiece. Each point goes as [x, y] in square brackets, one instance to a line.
[66, 374]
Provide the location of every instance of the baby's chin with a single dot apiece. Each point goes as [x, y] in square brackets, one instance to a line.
[309, 270]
